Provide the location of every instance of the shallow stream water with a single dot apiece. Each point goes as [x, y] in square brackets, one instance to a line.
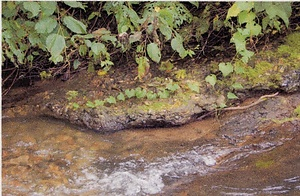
[44, 156]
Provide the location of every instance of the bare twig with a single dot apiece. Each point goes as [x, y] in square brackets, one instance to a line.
[261, 99]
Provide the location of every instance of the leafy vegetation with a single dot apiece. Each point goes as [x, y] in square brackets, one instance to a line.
[57, 38]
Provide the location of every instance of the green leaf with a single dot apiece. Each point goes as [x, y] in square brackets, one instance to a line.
[48, 7]
[55, 44]
[90, 104]
[99, 103]
[75, 105]
[246, 17]
[226, 69]
[74, 4]
[172, 87]
[237, 86]
[154, 52]
[111, 100]
[246, 55]
[74, 25]
[194, 86]
[32, 7]
[76, 64]
[130, 93]
[56, 59]
[166, 31]
[163, 94]
[239, 40]
[211, 79]
[151, 96]
[177, 45]
[233, 11]
[98, 48]
[121, 97]
[140, 93]
[45, 25]
[231, 95]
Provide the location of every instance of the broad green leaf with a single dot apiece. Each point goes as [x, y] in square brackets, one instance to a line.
[74, 4]
[99, 102]
[211, 79]
[55, 44]
[82, 50]
[255, 29]
[246, 55]
[140, 93]
[154, 52]
[177, 45]
[98, 48]
[150, 95]
[172, 87]
[76, 64]
[237, 86]
[56, 59]
[130, 93]
[167, 15]
[231, 95]
[226, 69]
[281, 9]
[166, 31]
[121, 97]
[233, 11]
[32, 7]
[111, 100]
[163, 94]
[107, 38]
[74, 25]
[194, 86]
[90, 104]
[239, 40]
[75, 105]
[245, 5]
[45, 25]
[246, 17]
[48, 7]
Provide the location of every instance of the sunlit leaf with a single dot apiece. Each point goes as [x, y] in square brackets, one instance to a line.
[48, 7]
[231, 95]
[172, 87]
[140, 93]
[74, 25]
[237, 86]
[177, 45]
[98, 48]
[99, 102]
[55, 44]
[154, 52]
[130, 93]
[211, 79]
[121, 97]
[111, 100]
[194, 86]
[226, 69]
[90, 104]
[76, 64]
[163, 94]
[45, 25]
[32, 7]
[74, 4]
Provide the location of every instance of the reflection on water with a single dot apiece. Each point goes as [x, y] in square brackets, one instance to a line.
[47, 157]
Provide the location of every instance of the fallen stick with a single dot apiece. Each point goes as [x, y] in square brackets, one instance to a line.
[261, 99]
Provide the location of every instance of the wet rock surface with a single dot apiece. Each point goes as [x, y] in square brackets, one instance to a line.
[251, 151]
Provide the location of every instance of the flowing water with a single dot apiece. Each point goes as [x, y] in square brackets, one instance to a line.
[44, 156]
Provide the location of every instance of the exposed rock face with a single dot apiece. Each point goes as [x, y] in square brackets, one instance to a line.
[279, 73]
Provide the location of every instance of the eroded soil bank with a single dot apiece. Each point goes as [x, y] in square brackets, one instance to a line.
[118, 101]
[252, 151]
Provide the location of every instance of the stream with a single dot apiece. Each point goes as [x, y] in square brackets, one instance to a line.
[215, 156]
